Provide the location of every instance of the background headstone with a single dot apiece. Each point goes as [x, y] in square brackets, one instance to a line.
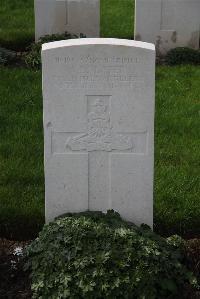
[99, 127]
[74, 16]
[168, 23]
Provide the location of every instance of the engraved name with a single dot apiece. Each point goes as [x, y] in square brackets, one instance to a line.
[91, 77]
[89, 59]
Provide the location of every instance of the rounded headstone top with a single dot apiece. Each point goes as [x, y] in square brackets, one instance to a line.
[98, 41]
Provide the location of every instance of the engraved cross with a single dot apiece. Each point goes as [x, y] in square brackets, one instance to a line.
[100, 142]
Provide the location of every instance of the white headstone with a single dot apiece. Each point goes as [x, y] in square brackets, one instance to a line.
[74, 16]
[168, 23]
[99, 127]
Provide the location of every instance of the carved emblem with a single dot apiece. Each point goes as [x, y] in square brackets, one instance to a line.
[100, 135]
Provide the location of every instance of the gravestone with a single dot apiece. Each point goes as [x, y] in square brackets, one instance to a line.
[99, 127]
[74, 16]
[168, 23]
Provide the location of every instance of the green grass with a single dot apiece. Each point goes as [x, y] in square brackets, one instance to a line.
[21, 153]
[117, 18]
[177, 167]
[16, 23]
[177, 139]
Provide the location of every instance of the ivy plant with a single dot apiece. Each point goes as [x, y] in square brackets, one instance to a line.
[93, 255]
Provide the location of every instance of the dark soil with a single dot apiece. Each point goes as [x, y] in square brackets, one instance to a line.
[14, 282]
[193, 256]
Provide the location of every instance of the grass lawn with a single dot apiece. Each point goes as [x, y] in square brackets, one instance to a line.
[17, 21]
[21, 152]
[177, 150]
[177, 138]
[117, 18]
[177, 181]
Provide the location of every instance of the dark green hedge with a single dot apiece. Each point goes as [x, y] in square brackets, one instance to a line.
[33, 55]
[183, 55]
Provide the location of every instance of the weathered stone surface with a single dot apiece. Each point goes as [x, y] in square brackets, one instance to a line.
[168, 23]
[99, 127]
[75, 16]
